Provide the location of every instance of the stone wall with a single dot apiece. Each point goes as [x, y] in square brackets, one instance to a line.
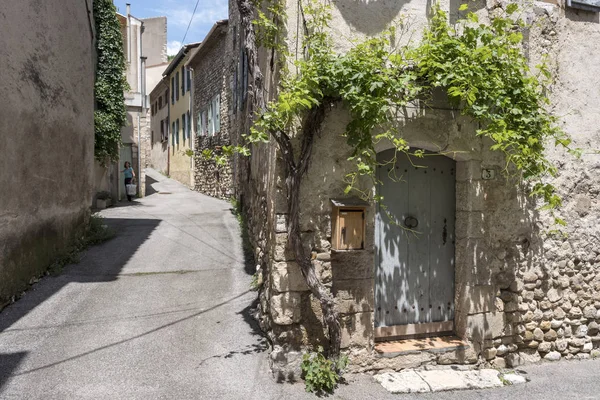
[47, 131]
[521, 291]
[212, 65]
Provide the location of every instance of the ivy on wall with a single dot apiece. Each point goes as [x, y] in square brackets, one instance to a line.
[480, 66]
[110, 114]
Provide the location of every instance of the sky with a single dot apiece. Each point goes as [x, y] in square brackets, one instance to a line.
[179, 13]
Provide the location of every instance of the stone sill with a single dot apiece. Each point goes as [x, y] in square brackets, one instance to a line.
[437, 344]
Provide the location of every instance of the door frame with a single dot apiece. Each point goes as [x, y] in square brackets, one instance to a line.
[465, 167]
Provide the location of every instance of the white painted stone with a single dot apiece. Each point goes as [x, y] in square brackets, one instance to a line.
[402, 382]
[454, 380]
[514, 379]
[553, 356]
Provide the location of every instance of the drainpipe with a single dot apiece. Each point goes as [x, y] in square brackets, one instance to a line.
[192, 134]
[128, 32]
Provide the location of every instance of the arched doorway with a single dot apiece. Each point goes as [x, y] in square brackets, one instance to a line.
[414, 240]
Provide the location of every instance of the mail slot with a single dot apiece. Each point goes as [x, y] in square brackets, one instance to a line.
[348, 224]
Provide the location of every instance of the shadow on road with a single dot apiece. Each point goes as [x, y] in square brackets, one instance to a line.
[101, 263]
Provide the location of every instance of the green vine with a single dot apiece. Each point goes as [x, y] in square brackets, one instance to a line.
[481, 67]
[110, 115]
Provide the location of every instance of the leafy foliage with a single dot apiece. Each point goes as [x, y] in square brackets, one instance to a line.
[321, 374]
[110, 115]
[481, 67]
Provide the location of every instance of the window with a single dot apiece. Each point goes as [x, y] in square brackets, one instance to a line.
[162, 130]
[160, 103]
[183, 81]
[234, 36]
[177, 86]
[217, 113]
[173, 135]
[188, 125]
[189, 79]
[177, 131]
[209, 121]
[183, 127]
[173, 90]
[202, 123]
[167, 97]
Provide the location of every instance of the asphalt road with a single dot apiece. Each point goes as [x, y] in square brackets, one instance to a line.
[163, 312]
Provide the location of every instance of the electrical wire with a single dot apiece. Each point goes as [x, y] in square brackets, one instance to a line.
[190, 24]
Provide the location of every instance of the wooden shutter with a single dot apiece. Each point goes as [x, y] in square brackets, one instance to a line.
[217, 109]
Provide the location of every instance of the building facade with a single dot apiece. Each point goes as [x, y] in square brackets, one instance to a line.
[490, 272]
[213, 106]
[143, 40]
[158, 158]
[181, 147]
[47, 157]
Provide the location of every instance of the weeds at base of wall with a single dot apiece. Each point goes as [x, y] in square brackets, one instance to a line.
[247, 247]
[95, 233]
[321, 375]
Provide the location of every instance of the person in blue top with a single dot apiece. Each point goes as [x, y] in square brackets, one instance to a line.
[129, 175]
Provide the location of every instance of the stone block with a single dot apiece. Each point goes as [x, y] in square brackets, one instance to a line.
[475, 299]
[286, 276]
[459, 356]
[282, 250]
[469, 224]
[473, 263]
[470, 196]
[354, 295]
[285, 364]
[286, 308]
[468, 170]
[553, 356]
[352, 264]
[486, 326]
[357, 329]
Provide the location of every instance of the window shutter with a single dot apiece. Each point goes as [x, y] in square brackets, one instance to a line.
[189, 125]
[210, 119]
[218, 113]
[173, 135]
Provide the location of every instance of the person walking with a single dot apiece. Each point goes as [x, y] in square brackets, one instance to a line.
[129, 175]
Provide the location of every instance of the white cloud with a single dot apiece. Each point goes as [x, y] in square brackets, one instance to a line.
[179, 15]
[173, 47]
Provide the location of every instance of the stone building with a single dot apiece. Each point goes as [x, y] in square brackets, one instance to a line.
[144, 45]
[214, 105]
[181, 145]
[490, 272]
[159, 128]
[47, 131]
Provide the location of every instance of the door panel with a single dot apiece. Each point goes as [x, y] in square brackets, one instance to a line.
[415, 264]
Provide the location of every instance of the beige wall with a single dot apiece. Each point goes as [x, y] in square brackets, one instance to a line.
[159, 156]
[180, 167]
[154, 43]
[46, 126]
[521, 291]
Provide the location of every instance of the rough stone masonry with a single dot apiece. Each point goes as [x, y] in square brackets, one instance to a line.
[523, 292]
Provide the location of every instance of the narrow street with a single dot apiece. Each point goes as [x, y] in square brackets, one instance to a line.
[163, 312]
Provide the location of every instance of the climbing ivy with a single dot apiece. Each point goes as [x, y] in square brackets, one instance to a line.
[110, 115]
[481, 67]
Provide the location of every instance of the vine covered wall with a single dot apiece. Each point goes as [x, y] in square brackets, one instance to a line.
[515, 274]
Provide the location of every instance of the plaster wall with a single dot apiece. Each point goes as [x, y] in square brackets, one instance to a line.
[154, 43]
[180, 167]
[158, 154]
[46, 126]
[522, 293]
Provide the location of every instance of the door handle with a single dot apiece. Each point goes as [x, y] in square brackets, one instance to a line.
[411, 222]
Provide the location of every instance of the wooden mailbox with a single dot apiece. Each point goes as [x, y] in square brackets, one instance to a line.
[348, 223]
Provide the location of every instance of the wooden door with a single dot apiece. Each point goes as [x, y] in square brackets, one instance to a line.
[414, 239]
